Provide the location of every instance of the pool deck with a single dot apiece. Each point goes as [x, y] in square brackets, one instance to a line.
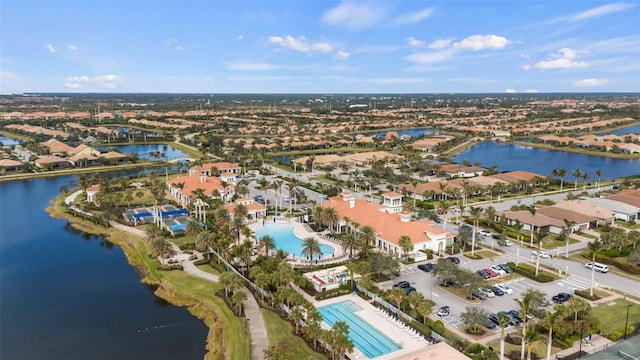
[397, 334]
[302, 231]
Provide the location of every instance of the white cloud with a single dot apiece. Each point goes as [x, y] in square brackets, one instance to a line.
[590, 82]
[482, 42]
[526, 67]
[179, 48]
[355, 16]
[341, 55]
[413, 18]
[531, 91]
[250, 66]
[431, 57]
[440, 44]
[173, 43]
[108, 81]
[601, 11]
[413, 42]
[300, 44]
[240, 37]
[510, 91]
[565, 58]
[72, 47]
[397, 80]
[50, 48]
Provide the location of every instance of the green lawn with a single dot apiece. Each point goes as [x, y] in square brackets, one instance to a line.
[280, 330]
[539, 347]
[612, 315]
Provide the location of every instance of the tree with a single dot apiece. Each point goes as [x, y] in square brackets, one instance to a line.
[475, 213]
[594, 247]
[562, 173]
[474, 316]
[406, 245]
[367, 238]
[350, 244]
[577, 174]
[267, 244]
[445, 270]
[502, 320]
[598, 173]
[330, 217]
[577, 304]
[397, 295]
[237, 298]
[310, 247]
[518, 227]
[532, 210]
[424, 309]
[297, 315]
[162, 248]
[205, 241]
[531, 299]
[313, 331]
[383, 264]
[230, 281]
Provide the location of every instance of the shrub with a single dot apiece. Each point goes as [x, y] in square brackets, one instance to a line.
[438, 327]
[421, 328]
[202, 261]
[585, 294]
[618, 334]
[611, 253]
[530, 273]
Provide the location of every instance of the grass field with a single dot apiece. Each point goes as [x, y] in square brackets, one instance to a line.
[539, 347]
[613, 315]
[280, 330]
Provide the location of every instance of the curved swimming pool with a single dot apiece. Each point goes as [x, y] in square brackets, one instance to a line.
[286, 239]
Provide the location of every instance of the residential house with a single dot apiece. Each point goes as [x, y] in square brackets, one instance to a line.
[619, 209]
[255, 211]
[8, 165]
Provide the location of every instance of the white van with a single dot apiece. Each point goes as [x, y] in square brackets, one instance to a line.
[599, 267]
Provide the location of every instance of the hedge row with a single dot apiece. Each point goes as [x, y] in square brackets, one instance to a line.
[585, 294]
[530, 273]
[632, 269]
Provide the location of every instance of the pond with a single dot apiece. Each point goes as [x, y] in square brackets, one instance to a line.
[511, 157]
[143, 151]
[414, 133]
[5, 141]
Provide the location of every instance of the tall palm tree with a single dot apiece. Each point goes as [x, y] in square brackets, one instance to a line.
[350, 244]
[475, 213]
[330, 216]
[594, 247]
[310, 247]
[405, 244]
[277, 186]
[598, 173]
[518, 226]
[163, 248]
[577, 173]
[568, 229]
[532, 210]
[502, 320]
[531, 299]
[367, 238]
[561, 174]
[205, 241]
[267, 244]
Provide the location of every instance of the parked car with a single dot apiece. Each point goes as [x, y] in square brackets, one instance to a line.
[498, 269]
[409, 290]
[505, 288]
[488, 324]
[483, 274]
[496, 290]
[443, 311]
[489, 293]
[484, 233]
[508, 318]
[426, 267]
[402, 284]
[508, 243]
[506, 268]
[561, 297]
[490, 272]
[454, 260]
[542, 254]
[515, 315]
[479, 294]
[494, 319]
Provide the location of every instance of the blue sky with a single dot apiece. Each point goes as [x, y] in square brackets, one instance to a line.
[314, 46]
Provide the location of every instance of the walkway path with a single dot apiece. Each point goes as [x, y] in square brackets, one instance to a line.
[256, 325]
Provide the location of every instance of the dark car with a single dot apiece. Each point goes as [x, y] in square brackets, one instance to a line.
[494, 319]
[506, 268]
[454, 260]
[561, 297]
[483, 274]
[496, 290]
[402, 284]
[409, 289]
[508, 319]
[479, 294]
[426, 267]
[515, 316]
[488, 324]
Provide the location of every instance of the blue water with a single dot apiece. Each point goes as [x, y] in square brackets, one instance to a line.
[414, 133]
[635, 129]
[5, 141]
[65, 294]
[286, 240]
[143, 151]
[366, 338]
[511, 157]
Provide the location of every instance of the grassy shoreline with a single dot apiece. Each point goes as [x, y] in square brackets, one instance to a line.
[225, 339]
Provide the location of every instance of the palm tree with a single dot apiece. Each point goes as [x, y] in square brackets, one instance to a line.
[406, 245]
[230, 281]
[237, 298]
[594, 247]
[532, 210]
[163, 248]
[567, 229]
[502, 319]
[205, 241]
[561, 174]
[518, 226]
[475, 213]
[313, 331]
[277, 186]
[397, 295]
[539, 237]
[531, 299]
[330, 216]
[576, 174]
[367, 238]
[473, 316]
[266, 243]
[310, 247]
[350, 243]
[598, 173]
[297, 315]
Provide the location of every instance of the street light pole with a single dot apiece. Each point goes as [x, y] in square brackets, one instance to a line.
[626, 323]
[581, 335]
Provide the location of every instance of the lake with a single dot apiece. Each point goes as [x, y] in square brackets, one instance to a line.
[635, 129]
[68, 295]
[143, 151]
[414, 133]
[5, 141]
[511, 157]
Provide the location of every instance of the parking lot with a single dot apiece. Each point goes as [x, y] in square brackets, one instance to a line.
[428, 287]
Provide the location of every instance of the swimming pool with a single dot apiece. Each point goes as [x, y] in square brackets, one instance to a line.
[369, 340]
[286, 240]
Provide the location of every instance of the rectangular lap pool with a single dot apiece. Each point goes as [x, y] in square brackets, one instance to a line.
[369, 340]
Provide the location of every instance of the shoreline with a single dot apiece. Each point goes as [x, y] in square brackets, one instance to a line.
[135, 251]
